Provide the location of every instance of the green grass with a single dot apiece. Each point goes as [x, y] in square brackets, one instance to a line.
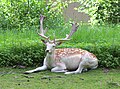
[11, 78]
[14, 37]
[91, 34]
[85, 34]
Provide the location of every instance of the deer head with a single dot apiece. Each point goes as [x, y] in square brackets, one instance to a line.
[51, 44]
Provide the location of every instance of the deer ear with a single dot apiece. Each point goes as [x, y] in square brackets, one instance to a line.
[44, 41]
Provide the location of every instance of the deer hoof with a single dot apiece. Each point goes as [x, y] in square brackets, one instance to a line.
[27, 72]
[68, 73]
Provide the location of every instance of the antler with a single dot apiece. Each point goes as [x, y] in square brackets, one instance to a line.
[73, 30]
[42, 31]
[59, 41]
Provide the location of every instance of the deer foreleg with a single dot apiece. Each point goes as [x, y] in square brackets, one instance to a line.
[44, 67]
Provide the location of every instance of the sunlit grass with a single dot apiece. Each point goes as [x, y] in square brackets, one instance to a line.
[85, 34]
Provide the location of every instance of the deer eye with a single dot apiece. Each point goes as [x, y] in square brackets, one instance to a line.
[53, 45]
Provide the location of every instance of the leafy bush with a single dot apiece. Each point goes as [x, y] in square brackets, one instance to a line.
[33, 55]
[108, 11]
[108, 55]
[25, 13]
[21, 55]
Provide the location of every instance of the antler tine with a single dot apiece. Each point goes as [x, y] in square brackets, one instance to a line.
[74, 29]
[42, 31]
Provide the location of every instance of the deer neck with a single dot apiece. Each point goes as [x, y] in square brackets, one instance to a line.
[50, 59]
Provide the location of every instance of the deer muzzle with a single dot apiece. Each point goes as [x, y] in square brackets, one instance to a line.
[48, 51]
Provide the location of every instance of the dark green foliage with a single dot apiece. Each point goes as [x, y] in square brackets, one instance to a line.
[108, 55]
[21, 55]
[108, 11]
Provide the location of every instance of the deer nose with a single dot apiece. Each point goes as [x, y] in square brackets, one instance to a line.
[47, 51]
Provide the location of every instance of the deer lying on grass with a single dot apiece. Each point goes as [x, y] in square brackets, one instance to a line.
[67, 60]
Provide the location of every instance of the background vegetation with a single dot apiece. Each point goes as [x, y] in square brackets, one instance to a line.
[19, 21]
[108, 11]
[25, 48]
[25, 13]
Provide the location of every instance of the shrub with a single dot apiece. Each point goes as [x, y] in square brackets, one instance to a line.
[29, 56]
[108, 11]
[108, 55]
[33, 55]
[25, 13]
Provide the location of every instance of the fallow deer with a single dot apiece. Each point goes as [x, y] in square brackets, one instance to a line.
[67, 60]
